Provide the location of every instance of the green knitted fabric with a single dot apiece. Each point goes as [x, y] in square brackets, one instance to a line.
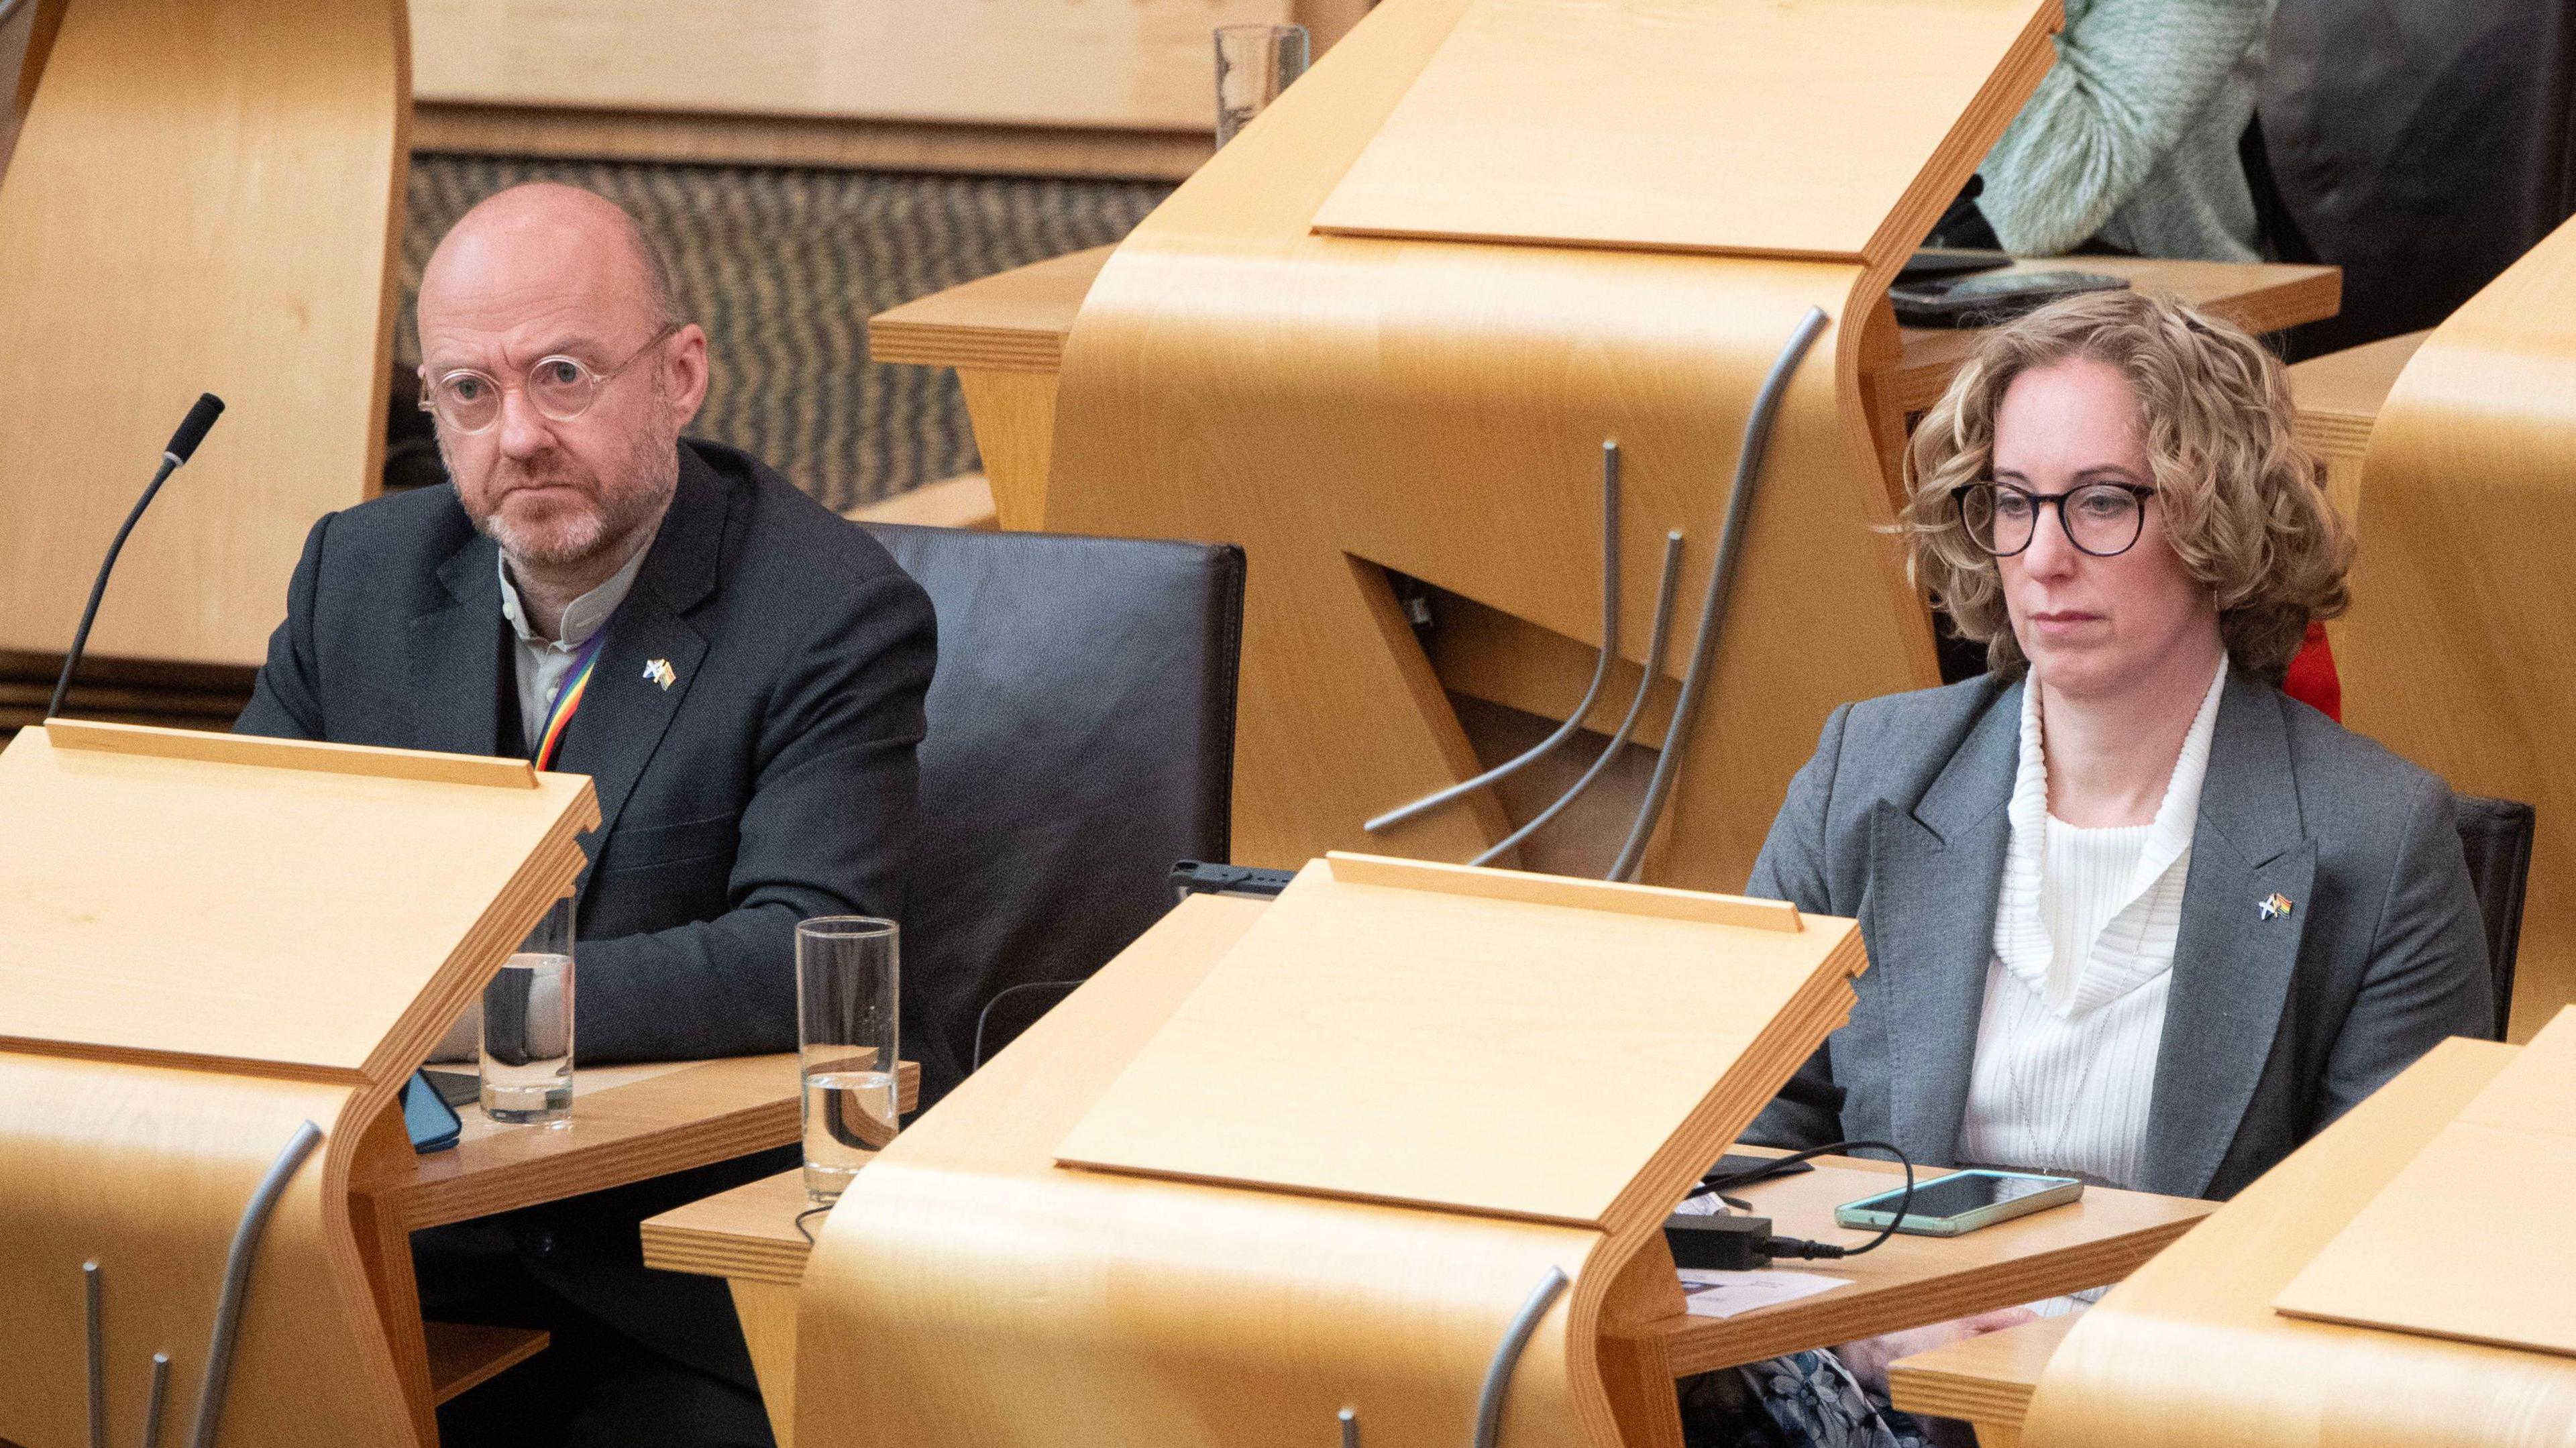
[2132, 135]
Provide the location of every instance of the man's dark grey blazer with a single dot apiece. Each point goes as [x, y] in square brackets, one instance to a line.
[2275, 1026]
[772, 781]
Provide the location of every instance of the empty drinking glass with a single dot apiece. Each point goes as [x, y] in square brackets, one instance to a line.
[1254, 63]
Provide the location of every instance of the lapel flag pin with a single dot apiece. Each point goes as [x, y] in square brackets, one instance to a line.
[2272, 906]
[659, 671]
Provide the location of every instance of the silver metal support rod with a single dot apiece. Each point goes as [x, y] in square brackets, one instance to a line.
[228, 1305]
[1600, 668]
[1721, 573]
[1666, 586]
[94, 1313]
[1507, 1355]
[1350, 1420]
[160, 1395]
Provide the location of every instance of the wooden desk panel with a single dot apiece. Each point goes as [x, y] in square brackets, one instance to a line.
[2190, 1353]
[749, 1236]
[203, 199]
[1984, 1380]
[2258, 296]
[629, 1123]
[1917, 1280]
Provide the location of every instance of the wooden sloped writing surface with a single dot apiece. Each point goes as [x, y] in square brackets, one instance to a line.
[1694, 124]
[293, 911]
[2471, 1239]
[1415, 1043]
[2189, 1352]
[968, 1292]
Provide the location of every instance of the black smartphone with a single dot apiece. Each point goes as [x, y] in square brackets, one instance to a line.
[433, 1123]
[1930, 262]
[1987, 298]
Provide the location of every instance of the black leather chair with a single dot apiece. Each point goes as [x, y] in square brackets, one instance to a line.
[2495, 834]
[1081, 742]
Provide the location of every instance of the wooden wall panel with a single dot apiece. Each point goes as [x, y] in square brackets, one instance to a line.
[202, 200]
[1141, 64]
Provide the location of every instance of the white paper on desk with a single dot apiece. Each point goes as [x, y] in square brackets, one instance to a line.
[1724, 1294]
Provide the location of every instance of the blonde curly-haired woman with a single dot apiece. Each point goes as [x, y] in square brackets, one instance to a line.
[2132, 914]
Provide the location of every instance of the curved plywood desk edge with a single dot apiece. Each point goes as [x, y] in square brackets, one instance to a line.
[2449, 655]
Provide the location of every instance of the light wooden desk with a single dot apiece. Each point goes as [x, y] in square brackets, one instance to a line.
[629, 1124]
[2211, 1301]
[1985, 1380]
[749, 1237]
[1005, 336]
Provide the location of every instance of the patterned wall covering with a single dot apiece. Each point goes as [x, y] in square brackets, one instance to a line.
[783, 267]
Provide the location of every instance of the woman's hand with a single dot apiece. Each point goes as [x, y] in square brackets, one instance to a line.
[1869, 1357]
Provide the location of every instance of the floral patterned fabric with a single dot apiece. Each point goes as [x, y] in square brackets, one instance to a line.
[1804, 1400]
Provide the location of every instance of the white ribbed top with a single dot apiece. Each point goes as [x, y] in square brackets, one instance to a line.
[2085, 925]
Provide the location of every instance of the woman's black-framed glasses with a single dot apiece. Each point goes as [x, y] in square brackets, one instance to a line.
[2101, 519]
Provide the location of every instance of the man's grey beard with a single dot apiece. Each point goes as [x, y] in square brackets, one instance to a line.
[651, 474]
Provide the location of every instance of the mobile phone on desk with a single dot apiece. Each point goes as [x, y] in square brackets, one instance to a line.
[433, 1123]
[1988, 298]
[1961, 1202]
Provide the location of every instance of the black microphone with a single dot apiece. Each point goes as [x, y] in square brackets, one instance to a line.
[183, 445]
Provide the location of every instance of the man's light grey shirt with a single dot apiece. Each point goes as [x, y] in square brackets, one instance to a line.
[541, 665]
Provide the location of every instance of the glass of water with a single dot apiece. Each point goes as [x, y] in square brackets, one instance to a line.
[1254, 63]
[846, 969]
[527, 1027]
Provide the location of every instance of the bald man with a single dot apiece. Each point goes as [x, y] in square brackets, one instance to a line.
[739, 671]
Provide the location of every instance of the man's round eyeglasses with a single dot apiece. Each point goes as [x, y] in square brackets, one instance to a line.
[558, 387]
[2101, 519]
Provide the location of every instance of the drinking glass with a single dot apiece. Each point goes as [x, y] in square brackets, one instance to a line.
[526, 1049]
[846, 972]
[1254, 63]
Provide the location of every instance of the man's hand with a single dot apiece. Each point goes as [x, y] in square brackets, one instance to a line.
[1869, 1357]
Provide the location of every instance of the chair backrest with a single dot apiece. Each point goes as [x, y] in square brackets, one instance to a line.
[2495, 834]
[1081, 742]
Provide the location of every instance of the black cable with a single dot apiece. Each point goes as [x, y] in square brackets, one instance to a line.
[1801, 1247]
[976, 1062]
[98, 589]
[810, 1212]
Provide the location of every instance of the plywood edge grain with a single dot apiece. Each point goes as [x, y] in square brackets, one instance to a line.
[265, 753]
[466, 1355]
[1702, 1344]
[1013, 321]
[184, 1061]
[1986, 1380]
[1567, 891]
[700, 138]
[547, 875]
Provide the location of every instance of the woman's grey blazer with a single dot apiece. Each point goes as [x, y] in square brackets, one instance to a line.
[2276, 1024]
